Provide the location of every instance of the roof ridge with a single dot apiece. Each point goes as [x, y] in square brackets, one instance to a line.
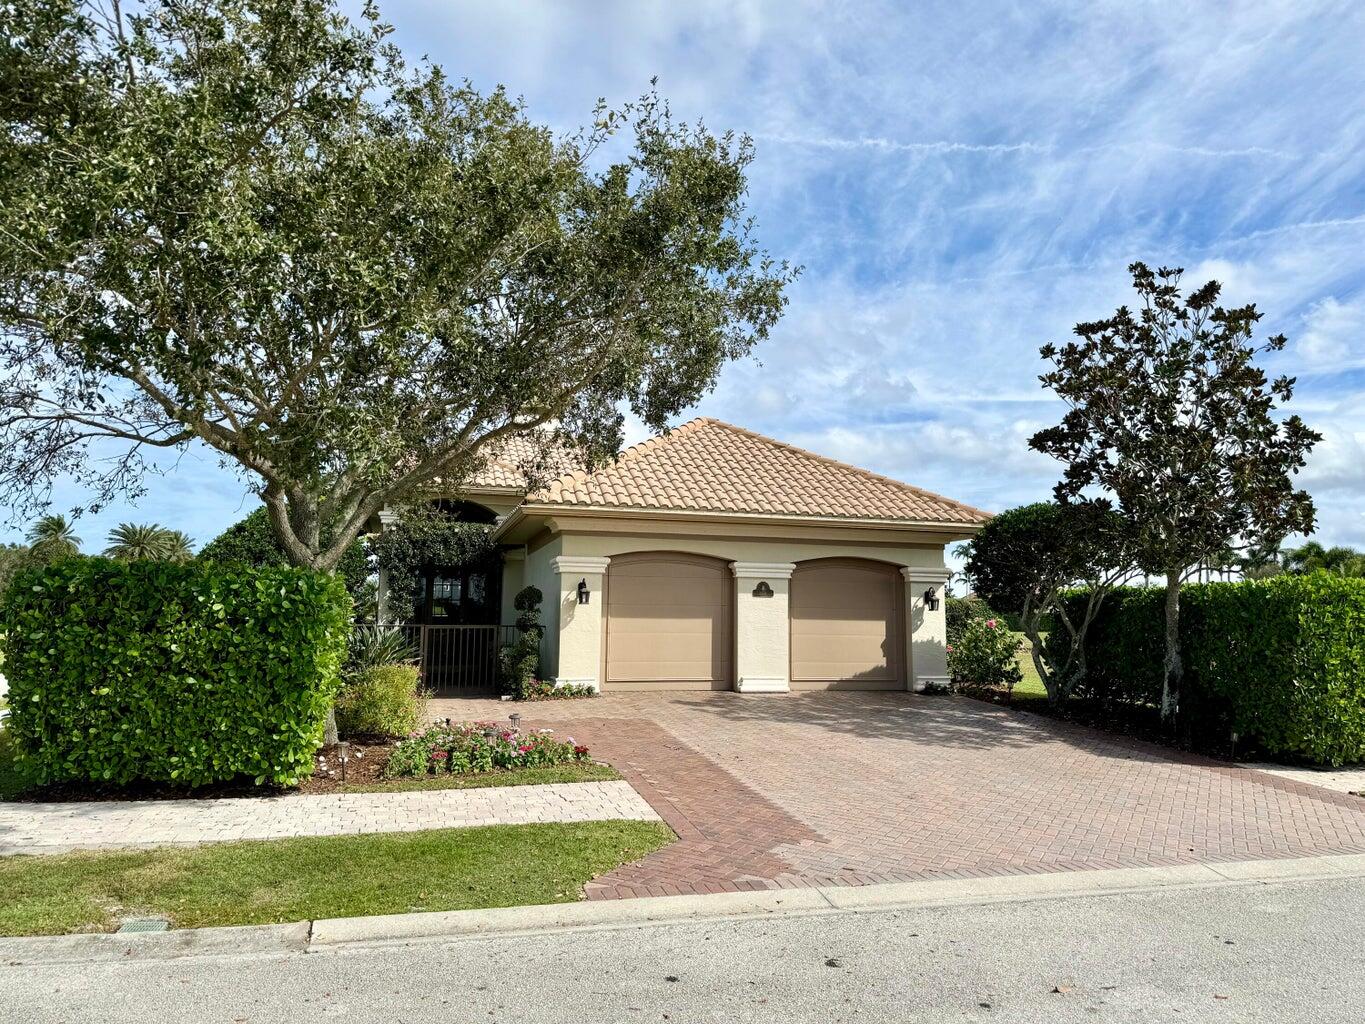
[843, 465]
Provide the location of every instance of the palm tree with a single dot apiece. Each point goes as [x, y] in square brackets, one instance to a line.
[178, 547]
[130, 542]
[52, 538]
[1341, 560]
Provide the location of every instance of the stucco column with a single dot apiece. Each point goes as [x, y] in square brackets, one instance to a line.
[580, 625]
[762, 629]
[926, 630]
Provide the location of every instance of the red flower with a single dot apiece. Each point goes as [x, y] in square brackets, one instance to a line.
[580, 750]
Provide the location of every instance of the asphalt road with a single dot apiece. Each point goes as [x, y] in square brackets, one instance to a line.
[1273, 954]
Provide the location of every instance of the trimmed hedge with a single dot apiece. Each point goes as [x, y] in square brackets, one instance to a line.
[190, 673]
[1278, 661]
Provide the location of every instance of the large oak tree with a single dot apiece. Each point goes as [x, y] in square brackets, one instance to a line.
[1169, 414]
[248, 223]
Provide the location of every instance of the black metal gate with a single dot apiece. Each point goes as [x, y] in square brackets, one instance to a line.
[458, 661]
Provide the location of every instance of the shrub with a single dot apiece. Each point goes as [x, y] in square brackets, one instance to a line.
[382, 700]
[958, 611]
[1278, 662]
[472, 747]
[521, 658]
[1125, 646]
[986, 653]
[251, 541]
[373, 646]
[543, 689]
[189, 673]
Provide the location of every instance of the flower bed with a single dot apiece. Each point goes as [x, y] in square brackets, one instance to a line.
[472, 747]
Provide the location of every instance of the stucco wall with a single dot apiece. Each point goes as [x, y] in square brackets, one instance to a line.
[539, 572]
[744, 549]
[762, 629]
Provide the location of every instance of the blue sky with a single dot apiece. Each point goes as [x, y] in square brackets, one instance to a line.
[963, 182]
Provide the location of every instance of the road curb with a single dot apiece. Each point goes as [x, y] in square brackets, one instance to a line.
[340, 934]
[247, 940]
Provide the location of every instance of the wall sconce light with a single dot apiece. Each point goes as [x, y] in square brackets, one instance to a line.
[763, 590]
[583, 591]
[931, 600]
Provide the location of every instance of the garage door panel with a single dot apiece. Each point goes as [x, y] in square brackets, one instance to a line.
[846, 625]
[668, 622]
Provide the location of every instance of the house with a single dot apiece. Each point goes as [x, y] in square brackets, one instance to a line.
[714, 558]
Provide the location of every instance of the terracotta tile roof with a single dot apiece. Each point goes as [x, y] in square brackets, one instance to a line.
[709, 466]
[510, 462]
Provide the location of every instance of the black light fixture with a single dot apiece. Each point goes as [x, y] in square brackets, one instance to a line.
[931, 600]
[583, 591]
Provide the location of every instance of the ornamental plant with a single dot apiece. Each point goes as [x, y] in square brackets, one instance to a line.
[472, 747]
[986, 653]
[166, 672]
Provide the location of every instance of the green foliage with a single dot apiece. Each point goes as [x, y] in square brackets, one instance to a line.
[472, 747]
[251, 541]
[193, 673]
[987, 653]
[1280, 662]
[382, 700]
[1341, 560]
[129, 542]
[13, 557]
[372, 646]
[1025, 558]
[521, 658]
[959, 611]
[251, 224]
[404, 548]
[1168, 412]
[52, 539]
[1124, 646]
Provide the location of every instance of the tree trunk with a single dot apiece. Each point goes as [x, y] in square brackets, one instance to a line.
[1174, 670]
[329, 729]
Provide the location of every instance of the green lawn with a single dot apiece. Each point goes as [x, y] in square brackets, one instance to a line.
[334, 876]
[1031, 687]
[524, 777]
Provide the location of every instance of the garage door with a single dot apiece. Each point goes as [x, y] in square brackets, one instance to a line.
[847, 626]
[668, 622]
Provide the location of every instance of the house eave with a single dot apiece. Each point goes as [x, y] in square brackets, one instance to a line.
[530, 517]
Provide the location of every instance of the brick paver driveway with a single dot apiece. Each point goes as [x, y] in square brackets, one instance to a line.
[852, 788]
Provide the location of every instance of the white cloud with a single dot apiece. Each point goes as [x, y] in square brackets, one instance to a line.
[965, 183]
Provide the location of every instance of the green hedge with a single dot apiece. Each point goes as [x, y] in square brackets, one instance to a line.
[1280, 662]
[192, 673]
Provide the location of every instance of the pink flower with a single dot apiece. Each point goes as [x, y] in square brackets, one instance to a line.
[950, 648]
[990, 623]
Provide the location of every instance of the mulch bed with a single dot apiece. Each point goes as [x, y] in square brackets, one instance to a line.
[366, 765]
[1139, 723]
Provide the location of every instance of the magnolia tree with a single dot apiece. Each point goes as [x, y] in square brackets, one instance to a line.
[1169, 414]
[248, 223]
[1026, 559]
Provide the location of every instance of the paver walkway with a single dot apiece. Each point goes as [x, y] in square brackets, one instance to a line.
[788, 790]
[53, 828]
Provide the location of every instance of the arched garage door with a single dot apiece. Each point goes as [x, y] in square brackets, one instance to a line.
[847, 625]
[668, 622]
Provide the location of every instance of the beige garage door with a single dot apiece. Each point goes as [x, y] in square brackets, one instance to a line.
[668, 622]
[847, 626]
